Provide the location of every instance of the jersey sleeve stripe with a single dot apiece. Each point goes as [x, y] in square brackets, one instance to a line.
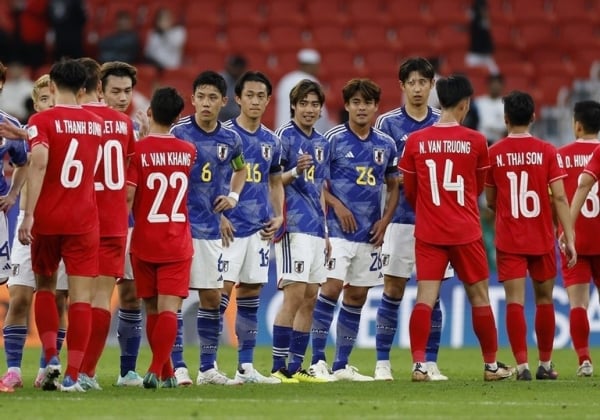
[556, 178]
[590, 173]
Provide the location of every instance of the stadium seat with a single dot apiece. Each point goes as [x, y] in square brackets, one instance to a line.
[368, 36]
[449, 13]
[381, 62]
[516, 67]
[181, 79]
[452, 36]
[362, 12]
[339, 64]
[538, 11]
[246, 37]
[285, 12]
[417, 39]
[287, 37]
[536, 35]
[517, 82]
[409, 12]
[325, 13]
[210, 13]
[242, 13]
[501, 12]
[581, 12]
[504, 36]
[203, 39]
[391, 95]
[331, 38]
[575, 36]
[147, 79]
[549, 86]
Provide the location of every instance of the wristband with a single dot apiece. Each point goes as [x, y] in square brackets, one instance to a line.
[235, 196]
[294, 172]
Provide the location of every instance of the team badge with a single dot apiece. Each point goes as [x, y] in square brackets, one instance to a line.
[319, 154]
[299, 266]
[330, 264]
[379, 155]
[222, 151]
[266, 151]
[385, 259]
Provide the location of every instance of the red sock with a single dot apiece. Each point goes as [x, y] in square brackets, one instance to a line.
[78, 336]
[545, 325]
[46, 321]
[580, 333]
[151, 320]
[517, 331]
[484, 326]
[162, 340]
[100, 327]
[167, 370]
[419, 327]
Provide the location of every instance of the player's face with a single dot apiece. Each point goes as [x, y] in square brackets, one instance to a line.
[417, 88]
[254, 99]
[361, 111]
[118, 92]
[307, 111]
[208, 101]
[44, 100]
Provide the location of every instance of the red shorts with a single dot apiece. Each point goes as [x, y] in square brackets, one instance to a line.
[112, 255]
[168, 278]
[469, 261]
[515, 266]
[586, 268]
[79, 253]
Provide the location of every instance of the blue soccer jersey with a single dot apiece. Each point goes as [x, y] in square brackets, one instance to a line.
[211, 174]
[398, 125]
[358, 171]
[16, 150]
[262, 153]
[303, 209]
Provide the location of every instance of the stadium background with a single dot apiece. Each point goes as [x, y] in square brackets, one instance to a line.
[545, 47]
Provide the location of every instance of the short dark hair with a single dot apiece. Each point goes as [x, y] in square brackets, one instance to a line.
[117, 69]
[453, 89]
[588, 114]
[367, 88]
[68, 74]
[166, 105]
[253, 76]
[495, 78]
[302, 89]
[419, 64]
[210, 78]
[2, 73]
[92, 71]
[518, 108]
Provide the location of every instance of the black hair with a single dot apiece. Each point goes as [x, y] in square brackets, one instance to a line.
[453, 89]
[252, 76]
[588, 114]
[68, 74]
[117, 69]
[210, 78]
[92, 70]
[302, 89]
[166, 105]
[369, 90]
[518, 108]
[419, 64]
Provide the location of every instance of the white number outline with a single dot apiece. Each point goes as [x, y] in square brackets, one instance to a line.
[106, 151]
[163, 183]
[520, 196]
[457, 186]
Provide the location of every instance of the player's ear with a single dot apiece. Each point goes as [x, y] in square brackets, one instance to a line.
[149, 112]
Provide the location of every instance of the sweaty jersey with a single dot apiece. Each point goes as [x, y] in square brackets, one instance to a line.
[303, 209]
[398, 125]
[211, 174]
[160, 171]
[15, 149]
[358, 170]
[446, 159]
[262, 153]
[111, 169]
[522, 167]
[67, 201]
[578, 157]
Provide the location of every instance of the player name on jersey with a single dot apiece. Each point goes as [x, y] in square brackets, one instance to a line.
[78, 127]
[445, 146]
[165, 159]
[520, 158]
[577, 161]
[115, 127]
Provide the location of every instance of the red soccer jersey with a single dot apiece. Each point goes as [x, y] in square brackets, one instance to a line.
[160, 170]
[117, 146]
[447, 160]
[584, 154]
[522, 167]
[67, 201]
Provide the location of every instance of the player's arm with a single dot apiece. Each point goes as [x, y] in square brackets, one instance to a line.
[586, 182]
[36, 173]
[11, 131]
[561, 204]
[378, 230]
[304, 162]
[410, 188]
[481, 176]
[344, 216]
[236, 184]
[19, 176]
[276, 196]
[490, 196]
[130, 196]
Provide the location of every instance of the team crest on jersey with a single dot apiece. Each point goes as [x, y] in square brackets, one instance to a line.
[319, 154]
[379, 155]
[222, 151]
[299, 266]
[266, 151]
[330, 264]
[385, 259]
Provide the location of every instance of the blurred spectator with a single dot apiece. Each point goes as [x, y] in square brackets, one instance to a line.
[481, 46]
[30, 19]
[67, 18]
[234, 67]
[123, 44]
[164, 47]
[308, 68]
[17, 89]
[434, 101]
[490, 109]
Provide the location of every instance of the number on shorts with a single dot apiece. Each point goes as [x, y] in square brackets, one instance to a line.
[591, 205]
[163, 183]
[71, 172]
[375, 262]
[264, 257]
[111, 154]
[520, 197]
[457, 186]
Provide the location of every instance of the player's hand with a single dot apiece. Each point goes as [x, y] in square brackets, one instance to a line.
[6, 202]
[10, 131]
[141, 117]
[25, 236]
[569, 251]
[346, 219]
[227, 231]
[223, 203]
[327, 249]
[270, 228]
[305, 161]
[401, 179]
[377, 233]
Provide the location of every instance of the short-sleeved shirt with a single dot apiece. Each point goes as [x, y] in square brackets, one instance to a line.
[303, 209]
[398, 125]
[447, 160]
[262, 153]
[111, 170]
[67, 201]
[160, 171]
[357, 172]
[211, 174]
[15, 149]
[584, 156]
[522, 167]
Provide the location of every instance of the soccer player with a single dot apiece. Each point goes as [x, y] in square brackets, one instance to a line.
[111, 198]
[161, 242]
[398, 250]
[213, 189]
[303, 249]
[581, 162]
[118, 80]
[522, 169]
[444, 172]
[64, 147]
[363, 159]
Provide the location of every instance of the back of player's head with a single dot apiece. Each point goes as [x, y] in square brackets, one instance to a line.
[367, 88]
[518, 108]
[453, 89]
[69, 75]
[92, 70]
[252, 76]
[117, 69]
[419, 64]
[42, 82]
[301, 91]
[587, 113]
[210, 78]
[166, 105]
[2, 73]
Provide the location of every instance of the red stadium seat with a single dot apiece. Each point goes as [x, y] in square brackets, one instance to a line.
[362, 12]
[339, 64]
[536, 35]
[518, 82]
[331, 38]
[286, 38]
[500, 12]
[581, 12]
[449, 13]
[452, 36]
[532, 11]
[325, 13]
[285, 12]
[202, 39]
[391, 95]
[181, 79]
[242, 13]
[211, 13]
[549, 86]
[374, 36]
[147, 79]
[417, 39]
[575, 36]
[409, 12]
[246, 37]
[504, 36]
[517, 67]
[382, 62]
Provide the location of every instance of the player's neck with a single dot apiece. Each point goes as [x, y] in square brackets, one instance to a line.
[156, 128]
[518, 129]
[361, 131]
[207, 126]
[65, 98]
[588, 137]
[248, 124]
[304, 128]
[448, 116]
[416, 112]
[86, 99]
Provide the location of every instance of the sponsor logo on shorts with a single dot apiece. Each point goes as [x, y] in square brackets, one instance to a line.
[330, 265]
[385, 259]
[299, 266]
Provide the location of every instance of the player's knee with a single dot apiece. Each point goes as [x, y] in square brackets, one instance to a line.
[394, 287]
[127, 296]
[19, 306]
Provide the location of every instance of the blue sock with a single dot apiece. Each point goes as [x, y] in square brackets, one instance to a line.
[435, 335]
[322, 319]
[208, 332]
[60, 338]
[14, 342]
[177, 350]
[386, 326]
[347, 330]
[246, 328]
[222, 308]
[129, 333]
[281, 346]
[298, 345]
